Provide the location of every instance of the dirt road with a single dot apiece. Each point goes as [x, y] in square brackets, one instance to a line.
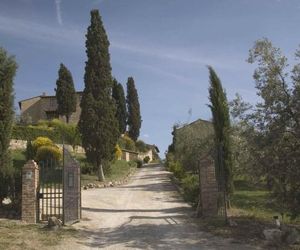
[148, 213]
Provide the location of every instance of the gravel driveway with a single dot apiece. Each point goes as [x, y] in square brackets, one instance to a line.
[148, 213]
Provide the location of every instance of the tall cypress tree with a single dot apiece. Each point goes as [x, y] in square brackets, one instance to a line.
[8, 69]
[119, 96]
[98, 124]
[65, 93]
[134, 120]
[221, 121]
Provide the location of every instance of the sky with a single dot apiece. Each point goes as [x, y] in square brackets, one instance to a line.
[165, 45]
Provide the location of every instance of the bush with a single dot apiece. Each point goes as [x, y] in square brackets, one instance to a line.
[190, 185]
[30, 153]
[118, 152]
[48, 152]
[32, 132]
[146, 159]
[141, 146]
[41, 141]
[177, 169]
[125, 142]
[139, 163]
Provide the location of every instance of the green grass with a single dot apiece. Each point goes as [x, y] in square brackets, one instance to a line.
[255, 201]
[119, 170]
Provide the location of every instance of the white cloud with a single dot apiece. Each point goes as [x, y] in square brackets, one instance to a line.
[146, 135]
[58, 11]
[182, 55]
[36, 31]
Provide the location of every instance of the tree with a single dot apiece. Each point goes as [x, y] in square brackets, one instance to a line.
[8, 69]
[133, 106]
[221, 121]
[276, 120]
[119, 96]
[98, 124]
[65, 93]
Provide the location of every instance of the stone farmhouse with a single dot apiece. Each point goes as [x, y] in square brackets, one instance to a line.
[44, 107]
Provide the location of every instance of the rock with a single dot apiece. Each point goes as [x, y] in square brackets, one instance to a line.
[232, 223]
[85, 188]
[99, 186]
[54, 223]
[291, 236]
[91, 185]
[110, 184]
[273, 236]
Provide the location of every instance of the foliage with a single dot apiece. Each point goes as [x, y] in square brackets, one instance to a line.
[68, 133]
[190, 185]
[118, 152]
[267, 135]
[41, 141]
[29, 150]
[139, 163]
[65, 93]
[176, 168]
[32, 132]
[8, 69]
[141, 146]
[125, 142]
[48, 152]
[98, 124]
[192, 143]
[146, 159]
[221, 121]
[119, 97]
[134, 114]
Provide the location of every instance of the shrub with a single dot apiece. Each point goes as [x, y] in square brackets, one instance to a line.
[32, 132]
[30, 153]
[139, 163]
[41, 141]
[177, 169]
[141, 146]
[126, 142]
[147, 159]
[118, 152]
[48, 152]
[190, 185]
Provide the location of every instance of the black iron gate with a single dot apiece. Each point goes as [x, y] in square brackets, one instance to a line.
[51, 190]
[59, 189]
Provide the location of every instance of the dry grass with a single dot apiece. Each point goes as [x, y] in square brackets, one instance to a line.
[17, 235]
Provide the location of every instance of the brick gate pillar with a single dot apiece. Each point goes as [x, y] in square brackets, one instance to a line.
[209, 188]
[30, 181]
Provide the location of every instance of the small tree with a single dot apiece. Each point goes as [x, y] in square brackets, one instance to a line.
[98, 124]
[119, 96]
[133, 106]
[65, 93]
[8, 69]
[221, 121]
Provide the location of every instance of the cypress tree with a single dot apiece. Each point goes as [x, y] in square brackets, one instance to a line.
[98, 124]
[8, 69]
[221, 121]
[65, 93]
[133, 106]
[119, 96]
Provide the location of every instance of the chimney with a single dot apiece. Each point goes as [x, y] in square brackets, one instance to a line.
[44, 94]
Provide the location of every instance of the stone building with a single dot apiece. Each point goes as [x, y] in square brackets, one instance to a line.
[44, 107]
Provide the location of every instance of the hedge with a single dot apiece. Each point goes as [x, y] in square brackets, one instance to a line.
[32, 132]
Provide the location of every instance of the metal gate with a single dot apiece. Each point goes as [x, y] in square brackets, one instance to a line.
[59, 189]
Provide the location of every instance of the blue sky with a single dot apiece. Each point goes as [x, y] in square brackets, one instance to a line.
[164, 44]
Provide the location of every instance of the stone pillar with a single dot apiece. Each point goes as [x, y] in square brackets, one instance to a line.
[209, 188]
[30, 181]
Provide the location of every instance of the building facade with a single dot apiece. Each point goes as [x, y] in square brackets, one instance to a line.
[44, 107]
